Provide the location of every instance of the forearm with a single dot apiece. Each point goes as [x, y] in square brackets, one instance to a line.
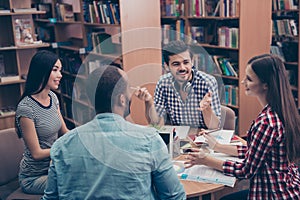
[210, 119]
[213, 162]
[40, 154]
[151, 114]
[227, 149]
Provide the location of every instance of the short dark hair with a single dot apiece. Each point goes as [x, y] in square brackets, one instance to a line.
[104, 85]
[173, 48]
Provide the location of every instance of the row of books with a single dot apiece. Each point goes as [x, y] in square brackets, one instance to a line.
[228, 37]
[214, 64]
[104, 12]
[284, 5]
[231, 95]
[221, 8]
[71, 62]
[100, 42]
[287, 51]
[173, 31]
[225, 66]
[172, 8]
[285, 27]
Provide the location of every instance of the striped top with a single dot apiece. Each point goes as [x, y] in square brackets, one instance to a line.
[47, 124]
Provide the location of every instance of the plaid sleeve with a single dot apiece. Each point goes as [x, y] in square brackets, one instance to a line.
[215, 103]
[263, 137]
[242, 149]
[159, 100]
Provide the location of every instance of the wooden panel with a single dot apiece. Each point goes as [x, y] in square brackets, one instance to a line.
[141, 45]
[7, 122]
[255, 39]
[24, 57]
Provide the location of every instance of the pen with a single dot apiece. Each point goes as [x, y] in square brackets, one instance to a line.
[212, 130]
[134, 88]
[208, 131]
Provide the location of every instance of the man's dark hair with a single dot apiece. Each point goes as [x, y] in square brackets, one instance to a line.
[173, 48]
[104, 85]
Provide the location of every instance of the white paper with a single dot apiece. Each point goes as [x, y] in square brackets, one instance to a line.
[222, 136]
[206, 174]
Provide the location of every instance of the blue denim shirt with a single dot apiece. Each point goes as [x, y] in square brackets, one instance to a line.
[110, 158]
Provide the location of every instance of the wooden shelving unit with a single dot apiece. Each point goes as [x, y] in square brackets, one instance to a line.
[15, 56]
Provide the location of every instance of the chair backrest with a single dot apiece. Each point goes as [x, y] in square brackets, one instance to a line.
[227, 118]
[11, 151]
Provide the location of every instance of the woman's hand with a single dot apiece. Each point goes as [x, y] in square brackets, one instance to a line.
[195, 158]
[210, 140]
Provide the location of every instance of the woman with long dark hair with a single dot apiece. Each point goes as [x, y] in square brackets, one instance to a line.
[38, 120]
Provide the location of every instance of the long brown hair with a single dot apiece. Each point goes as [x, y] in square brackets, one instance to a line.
[270, 69]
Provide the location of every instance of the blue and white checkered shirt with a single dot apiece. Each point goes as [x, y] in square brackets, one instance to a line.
[168, 101]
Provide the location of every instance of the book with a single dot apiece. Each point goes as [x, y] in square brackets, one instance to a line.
[24, 10]
[64, 12]
[8, 78]
[2, 65]
[47, 7]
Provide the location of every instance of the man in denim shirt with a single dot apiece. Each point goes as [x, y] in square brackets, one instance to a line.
[109, 157]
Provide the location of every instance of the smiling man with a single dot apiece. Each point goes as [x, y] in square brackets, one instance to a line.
[184, 96]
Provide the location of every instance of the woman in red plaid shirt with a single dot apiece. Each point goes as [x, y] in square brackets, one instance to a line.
[273, 145]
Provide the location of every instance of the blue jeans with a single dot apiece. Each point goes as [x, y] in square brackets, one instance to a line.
[241, 195]
[33, 185]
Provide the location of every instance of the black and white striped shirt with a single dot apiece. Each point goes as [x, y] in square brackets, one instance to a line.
[47, 124]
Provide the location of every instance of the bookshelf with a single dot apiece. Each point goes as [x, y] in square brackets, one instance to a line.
[103, 32]
[17, 45]
[285, 40]
[204, 24]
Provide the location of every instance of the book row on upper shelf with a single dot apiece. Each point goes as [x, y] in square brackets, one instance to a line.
[104, 12]
[200, 8]
[284, 5]
[223, 36]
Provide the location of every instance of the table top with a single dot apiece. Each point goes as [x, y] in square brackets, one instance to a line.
[195, 189]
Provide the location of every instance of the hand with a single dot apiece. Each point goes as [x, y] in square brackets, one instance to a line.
[206, 101]
[143, 94]
[211, 141]
[195, 158]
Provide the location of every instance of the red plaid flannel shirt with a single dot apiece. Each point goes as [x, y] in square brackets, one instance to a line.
[265, 162]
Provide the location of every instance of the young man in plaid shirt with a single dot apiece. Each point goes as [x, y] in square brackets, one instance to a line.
[185, 95]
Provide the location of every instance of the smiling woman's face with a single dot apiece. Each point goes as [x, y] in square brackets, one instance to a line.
[253, 85]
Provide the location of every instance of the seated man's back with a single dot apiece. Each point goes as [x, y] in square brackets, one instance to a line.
[109, 157]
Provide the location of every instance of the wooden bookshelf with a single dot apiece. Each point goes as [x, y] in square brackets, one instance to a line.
[254, 29]
[15, 55]
[285, 16]
[135, 40]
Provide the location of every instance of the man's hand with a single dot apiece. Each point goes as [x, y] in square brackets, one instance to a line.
[206, 101]
[143, 94]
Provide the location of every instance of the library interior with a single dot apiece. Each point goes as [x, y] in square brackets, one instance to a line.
[223, 35]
